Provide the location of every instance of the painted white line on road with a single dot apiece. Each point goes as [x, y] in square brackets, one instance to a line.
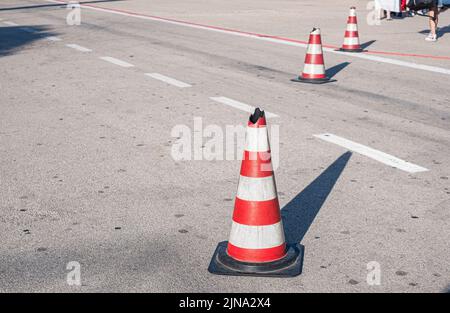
[116, 61]
[416, 66]
[78, 48]
[168, 80]
[10, 23]
[53, 38]
[239, 105]
[283, 41]
[372, 153]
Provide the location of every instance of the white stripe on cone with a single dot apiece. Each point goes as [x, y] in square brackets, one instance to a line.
[256, 188]
[314, 49]
[351, 41]
[257, 237]
[352, 12]
[314, 69]
[352, 27]
[257, 139]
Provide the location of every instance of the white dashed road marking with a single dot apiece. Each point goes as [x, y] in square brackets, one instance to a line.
[372, 153]
[10, 23]
[78, 48]
[116, 61]
[53, 38]
[168, 80]
[239, 105]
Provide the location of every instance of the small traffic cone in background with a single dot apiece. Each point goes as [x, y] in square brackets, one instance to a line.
[257, 245]
[314, 69]
[351, 38]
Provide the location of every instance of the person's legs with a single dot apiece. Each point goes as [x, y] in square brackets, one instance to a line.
[436, 18]
[388, 15]
[433, 20]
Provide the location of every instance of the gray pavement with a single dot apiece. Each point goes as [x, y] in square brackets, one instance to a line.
[86, 172]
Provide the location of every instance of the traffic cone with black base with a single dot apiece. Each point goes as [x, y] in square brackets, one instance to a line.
[257, 246]
[314, 69]
[351, 37]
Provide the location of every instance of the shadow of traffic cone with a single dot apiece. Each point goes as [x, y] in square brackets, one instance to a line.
[257, 246]
[351, 37]
[314, 69]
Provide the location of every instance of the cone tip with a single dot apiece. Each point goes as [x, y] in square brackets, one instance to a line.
[254, 118]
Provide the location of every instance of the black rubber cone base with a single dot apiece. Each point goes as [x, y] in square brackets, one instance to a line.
[313, 81]
[352, 50]
[289, 266]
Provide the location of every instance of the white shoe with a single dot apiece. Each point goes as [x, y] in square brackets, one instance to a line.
[431, 37]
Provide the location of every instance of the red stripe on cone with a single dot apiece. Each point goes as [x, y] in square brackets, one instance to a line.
[257, 255]
[260, 123]
[314, 59]
[350, 34]
[315, 39]
[352, 20]
[256, 213]
[350, 47]
[313, 76]
[256, 164]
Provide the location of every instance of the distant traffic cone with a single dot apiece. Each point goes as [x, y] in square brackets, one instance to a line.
[257, 245]
[351, 38]
[314, 69]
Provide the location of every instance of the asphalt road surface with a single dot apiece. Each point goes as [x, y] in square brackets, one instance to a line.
[86, 169]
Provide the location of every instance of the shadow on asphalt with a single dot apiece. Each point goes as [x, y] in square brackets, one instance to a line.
[15, 38]
[300, 212]
[52, 5]
[332, 71]
[441, 32]
[367, 44]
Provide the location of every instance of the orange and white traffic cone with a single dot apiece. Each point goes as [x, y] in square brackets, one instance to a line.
[351, 38]
[314, 69]
[257, 246]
